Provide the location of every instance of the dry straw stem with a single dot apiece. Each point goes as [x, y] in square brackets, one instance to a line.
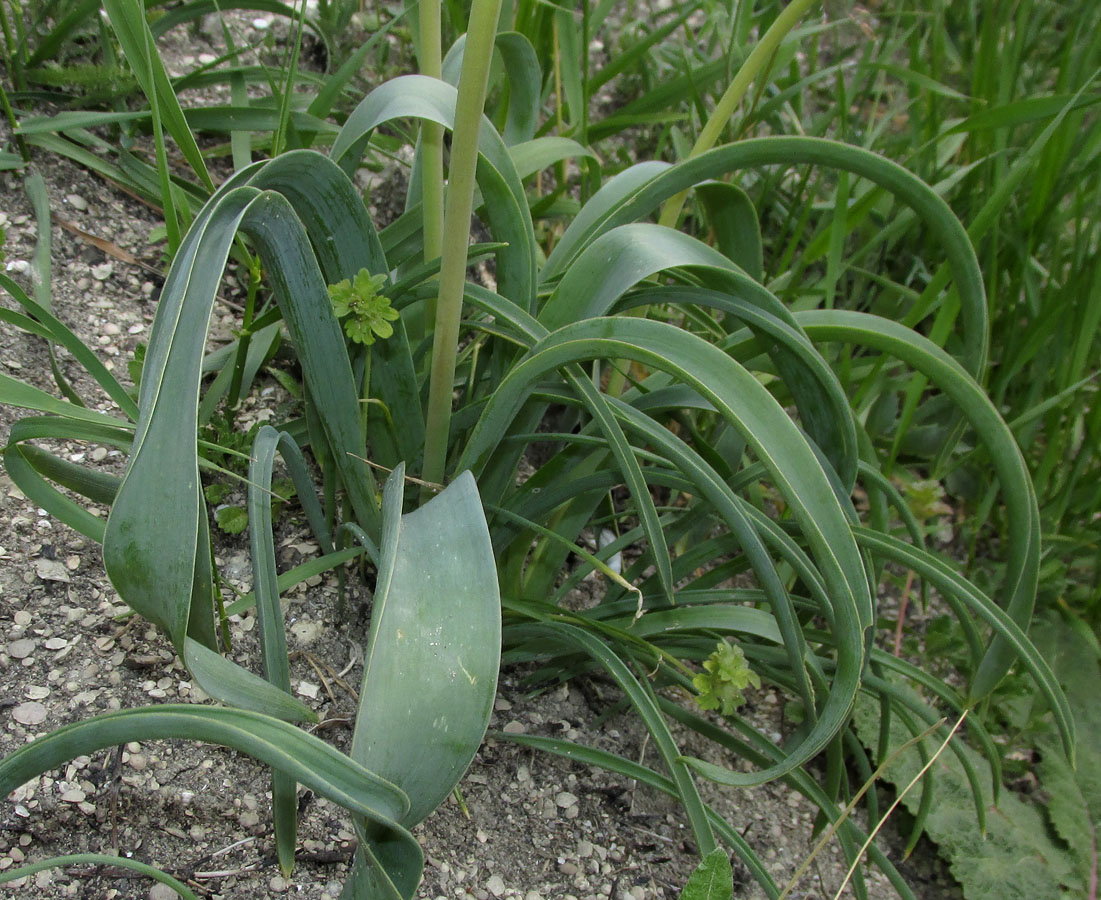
[828, 834]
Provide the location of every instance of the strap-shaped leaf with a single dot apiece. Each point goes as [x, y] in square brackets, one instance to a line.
[647, 194]
[228, 682]
[524, 77]
[431, 670]
[506, 204]
[1022, 515]
[623, 256]
[792, 465]
[823, 406]
[306, 758]
[733, 218]
[265, 581]
[159, 562]
[435, 642]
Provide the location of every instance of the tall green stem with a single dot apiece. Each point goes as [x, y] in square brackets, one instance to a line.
[729, 101]
[460, 201]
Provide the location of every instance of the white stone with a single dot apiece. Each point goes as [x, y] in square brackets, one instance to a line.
[565, 799]
[30, 713]
[51, 570]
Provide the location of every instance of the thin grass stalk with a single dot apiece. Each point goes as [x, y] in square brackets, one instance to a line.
[431, 149]
[171, 220]
[758, 60]
[17, 48]
[431, 64]
[913, 781]
[279, 138]
[869, 783]
[9, 114]
[473, 81]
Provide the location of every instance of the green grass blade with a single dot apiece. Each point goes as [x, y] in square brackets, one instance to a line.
[60, 333]
[102, 859]
[128, 21]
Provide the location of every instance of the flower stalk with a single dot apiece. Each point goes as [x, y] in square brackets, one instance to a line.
[473, 81]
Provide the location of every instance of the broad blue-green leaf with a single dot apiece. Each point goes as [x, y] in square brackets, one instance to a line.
[431, 669]
[523, 79]
[732, 217]
[435, 639]
[158, 562]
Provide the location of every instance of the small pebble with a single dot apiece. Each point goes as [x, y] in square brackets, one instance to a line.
[565, 799]
[495, 885]
[162, 892]
[102, 272]
[51, 570]
[21, 649]
[77, 202]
